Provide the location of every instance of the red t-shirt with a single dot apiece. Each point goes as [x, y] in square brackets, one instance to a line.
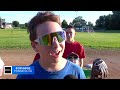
[37, 56]
[75, 47]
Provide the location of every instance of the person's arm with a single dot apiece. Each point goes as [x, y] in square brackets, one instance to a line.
[82, 74]
[1, 67]
[81, 62]
[81, 55]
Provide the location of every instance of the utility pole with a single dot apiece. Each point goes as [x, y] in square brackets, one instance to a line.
[76, 13]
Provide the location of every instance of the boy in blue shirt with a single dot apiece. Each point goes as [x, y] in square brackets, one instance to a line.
[48, 39]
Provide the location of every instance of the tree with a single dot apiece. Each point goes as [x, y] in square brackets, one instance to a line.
[79, 22]
[64, 24]
[109, 22]
[116, 20]
[26, 24]
[100, 23]
[90, 24]
[15, 23]
[117, 13]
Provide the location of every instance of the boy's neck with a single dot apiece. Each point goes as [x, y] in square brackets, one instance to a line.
[52, 67]
[70, 41]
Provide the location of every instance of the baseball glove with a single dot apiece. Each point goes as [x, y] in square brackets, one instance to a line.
[99, 69]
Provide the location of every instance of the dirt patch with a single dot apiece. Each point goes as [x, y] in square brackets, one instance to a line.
[25, 57]
[16, 57]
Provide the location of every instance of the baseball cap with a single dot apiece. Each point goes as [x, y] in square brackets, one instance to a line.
[73, 56]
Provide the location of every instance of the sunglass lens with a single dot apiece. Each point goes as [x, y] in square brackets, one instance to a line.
[61, 36]
[47, 39]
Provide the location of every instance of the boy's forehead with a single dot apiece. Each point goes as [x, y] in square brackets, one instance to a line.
[48, 27]
[70, 30]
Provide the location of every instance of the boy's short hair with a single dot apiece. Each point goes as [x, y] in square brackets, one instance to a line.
[70, 26]
[40, 18]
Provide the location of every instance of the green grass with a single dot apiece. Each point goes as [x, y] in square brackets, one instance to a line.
[14, 38]
[87, 73]
[19, 38]
[99, 40]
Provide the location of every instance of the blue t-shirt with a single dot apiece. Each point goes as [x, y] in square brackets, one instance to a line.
[41, 73]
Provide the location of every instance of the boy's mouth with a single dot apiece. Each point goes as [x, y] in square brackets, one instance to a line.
[55, 54]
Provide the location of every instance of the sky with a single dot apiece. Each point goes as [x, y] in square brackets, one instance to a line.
[25, 16]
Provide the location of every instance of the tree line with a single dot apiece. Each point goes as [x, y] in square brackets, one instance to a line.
[109, 22]
[106, 22]
[16, 24]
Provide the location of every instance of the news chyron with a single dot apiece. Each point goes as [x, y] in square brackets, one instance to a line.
[18, 70]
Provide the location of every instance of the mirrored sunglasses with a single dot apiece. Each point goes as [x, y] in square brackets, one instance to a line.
[48, 38]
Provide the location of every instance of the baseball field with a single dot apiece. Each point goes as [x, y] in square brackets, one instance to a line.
[15, 49]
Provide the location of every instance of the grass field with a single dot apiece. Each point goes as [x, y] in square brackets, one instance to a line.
[99, 40]
[14, 38]
[14, 44]
[19, 38]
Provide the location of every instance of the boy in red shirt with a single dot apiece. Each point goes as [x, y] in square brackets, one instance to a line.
[73, 46]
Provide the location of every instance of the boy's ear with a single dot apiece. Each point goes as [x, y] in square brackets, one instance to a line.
[33, 44]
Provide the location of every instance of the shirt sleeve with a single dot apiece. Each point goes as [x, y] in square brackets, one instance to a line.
[81, 51]
[81, 74]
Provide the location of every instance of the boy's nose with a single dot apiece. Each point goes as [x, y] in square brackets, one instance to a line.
[55, 44]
